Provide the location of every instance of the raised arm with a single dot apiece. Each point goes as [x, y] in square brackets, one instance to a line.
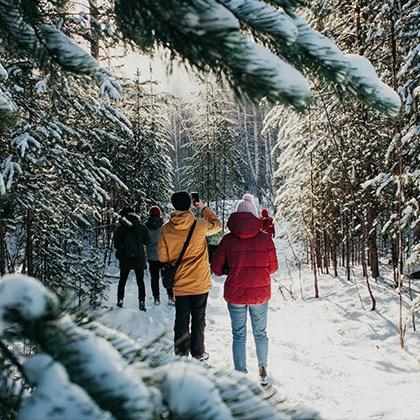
[214, 224]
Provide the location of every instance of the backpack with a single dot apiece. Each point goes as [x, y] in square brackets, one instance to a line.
[132, 247]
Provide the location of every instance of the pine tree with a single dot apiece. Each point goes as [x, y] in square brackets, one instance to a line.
[211, 36]
[99, 373]
[215, 166]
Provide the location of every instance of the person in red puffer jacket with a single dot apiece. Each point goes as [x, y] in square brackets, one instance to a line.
[267, 224]
[249, 257]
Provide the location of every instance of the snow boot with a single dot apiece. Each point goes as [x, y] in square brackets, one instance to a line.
[157, 301]
[264, 379]
[120, 303]
[205, 356]
[171, 301]
[142, 306]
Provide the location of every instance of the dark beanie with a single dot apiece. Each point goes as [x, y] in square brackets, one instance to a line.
[181, 201]
[155, 211]
[126, 211]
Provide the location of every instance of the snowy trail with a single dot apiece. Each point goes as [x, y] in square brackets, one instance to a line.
[329, 354]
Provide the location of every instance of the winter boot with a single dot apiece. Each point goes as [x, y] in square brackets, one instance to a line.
[205, 356]
[120, 303]
[264, 379]
[157, 301]
[171, 301]
[142, 306]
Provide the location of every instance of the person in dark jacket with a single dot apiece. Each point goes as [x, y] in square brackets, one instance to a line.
[154, 225]
[267, 223]
[249, 256]
[129, 240]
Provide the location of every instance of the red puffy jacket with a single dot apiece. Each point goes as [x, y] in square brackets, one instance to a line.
[267, 224]
[250, 257]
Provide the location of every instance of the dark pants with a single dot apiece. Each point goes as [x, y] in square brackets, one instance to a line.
[190, 308]
[124, 272]
[154, 268]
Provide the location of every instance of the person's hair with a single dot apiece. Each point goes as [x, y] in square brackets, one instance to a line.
[181, 201]
[155, 211]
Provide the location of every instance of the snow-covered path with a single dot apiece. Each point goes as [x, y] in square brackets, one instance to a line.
[329, 354]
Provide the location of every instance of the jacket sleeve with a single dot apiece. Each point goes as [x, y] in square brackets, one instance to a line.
[272, 258]
[219, 258]
[146, 236]
[162, 249]
[213, 223]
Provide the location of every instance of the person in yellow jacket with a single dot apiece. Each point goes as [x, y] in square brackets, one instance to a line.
[192, 279]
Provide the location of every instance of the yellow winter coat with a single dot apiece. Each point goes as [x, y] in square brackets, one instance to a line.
[193, 275]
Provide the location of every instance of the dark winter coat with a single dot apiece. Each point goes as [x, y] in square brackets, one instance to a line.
[127, 224]
[250, 257]
[267, 224]
[154, 225]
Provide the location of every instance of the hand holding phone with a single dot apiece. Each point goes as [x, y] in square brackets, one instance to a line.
[194, 197]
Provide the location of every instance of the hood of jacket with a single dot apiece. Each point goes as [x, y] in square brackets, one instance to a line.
[154, 222]
[182, 220]
[244, 225]
[264, 213]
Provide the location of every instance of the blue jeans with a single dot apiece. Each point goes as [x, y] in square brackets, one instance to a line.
[238, 317]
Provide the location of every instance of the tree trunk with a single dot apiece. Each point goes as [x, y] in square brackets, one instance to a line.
[372, 246]
[94, 18]
[2, 250]
[29, 243]
[313, 238]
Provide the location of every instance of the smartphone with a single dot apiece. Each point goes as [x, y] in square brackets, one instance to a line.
[194, 197]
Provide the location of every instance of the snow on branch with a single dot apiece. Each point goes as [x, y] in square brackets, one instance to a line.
[3, 73]
[23, 143]
[285, 80]
[67, 53]
[55, 397]
[27, 297]
[8, 108]
[362, 76]
[263, 17]
[203, 402]
[94, 372]
[114, 177]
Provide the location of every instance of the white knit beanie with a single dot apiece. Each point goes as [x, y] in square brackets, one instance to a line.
[247, 204]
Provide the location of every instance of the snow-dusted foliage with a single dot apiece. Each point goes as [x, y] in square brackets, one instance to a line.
[348, 178]
[55, 397]
[211, 35]
[26, 296]
[92, 372]
[214, 166]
